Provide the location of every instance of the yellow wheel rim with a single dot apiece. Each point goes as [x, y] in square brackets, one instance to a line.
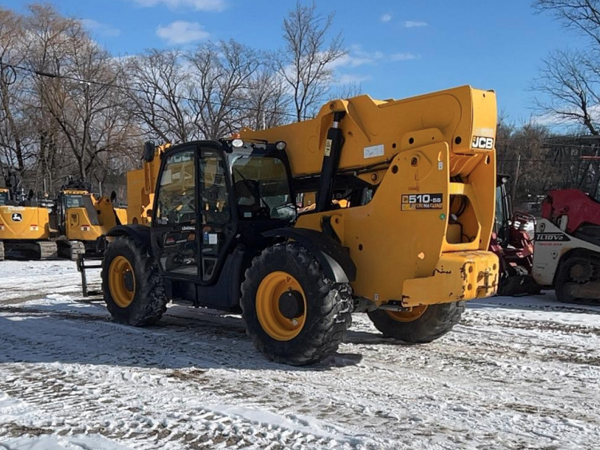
[275, 324]
[120, 269]
[408, 316]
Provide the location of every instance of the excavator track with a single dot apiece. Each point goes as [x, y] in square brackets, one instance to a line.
[47, 249]
[1, 251]
[70, 249]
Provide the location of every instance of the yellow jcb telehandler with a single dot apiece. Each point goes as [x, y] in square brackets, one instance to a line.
[408, 244]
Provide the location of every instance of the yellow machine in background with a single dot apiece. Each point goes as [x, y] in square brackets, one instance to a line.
[83, 219]
[141, 186]
[4, 198]
[77, 222]
[25, 227]
[404, 197]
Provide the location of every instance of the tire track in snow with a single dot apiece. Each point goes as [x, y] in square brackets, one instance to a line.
[72, 403]
[488, 384]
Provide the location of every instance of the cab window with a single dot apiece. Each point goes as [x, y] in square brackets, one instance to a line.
[176, 202]
[262, 188]
[73, 201]
[213, 179]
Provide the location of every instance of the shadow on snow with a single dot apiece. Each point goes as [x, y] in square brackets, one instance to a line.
[83, 333]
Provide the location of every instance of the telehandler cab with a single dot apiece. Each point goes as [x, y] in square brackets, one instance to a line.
[405, 193]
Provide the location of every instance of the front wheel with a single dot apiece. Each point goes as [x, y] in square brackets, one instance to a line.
[294, 314]
[133, 288]
[419, 325]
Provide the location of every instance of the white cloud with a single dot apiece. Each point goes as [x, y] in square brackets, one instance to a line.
[547, 120]
[404, 56]
[350, 79]
[357, 57]
[386, 17]
[555, 119]
[198, 5]
[182, 32]
[100, 29]
[414, 24]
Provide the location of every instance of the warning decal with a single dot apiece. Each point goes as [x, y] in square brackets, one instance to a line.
[411, 202]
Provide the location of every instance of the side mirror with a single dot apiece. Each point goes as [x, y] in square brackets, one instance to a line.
[113, 196]
[149, 149]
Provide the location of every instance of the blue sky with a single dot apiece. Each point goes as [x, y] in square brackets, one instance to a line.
[397, 48]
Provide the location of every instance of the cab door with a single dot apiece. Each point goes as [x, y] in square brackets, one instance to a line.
[218, 229]
[175, 227]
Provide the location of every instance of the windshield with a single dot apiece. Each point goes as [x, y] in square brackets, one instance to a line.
[73, 201]
[262, 188]
[3, 198]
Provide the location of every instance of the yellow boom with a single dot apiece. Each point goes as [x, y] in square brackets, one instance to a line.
[430, 164]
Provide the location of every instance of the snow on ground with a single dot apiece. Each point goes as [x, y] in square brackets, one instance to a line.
[516, 373]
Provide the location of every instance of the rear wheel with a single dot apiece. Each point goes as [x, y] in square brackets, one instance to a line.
[419, 325]
[572, 272]
[294, 314]
[133, 288]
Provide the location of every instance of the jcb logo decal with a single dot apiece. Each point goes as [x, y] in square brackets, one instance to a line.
[482, 142]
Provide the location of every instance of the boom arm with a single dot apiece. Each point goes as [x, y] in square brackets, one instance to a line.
[430, 164]
[141, 186]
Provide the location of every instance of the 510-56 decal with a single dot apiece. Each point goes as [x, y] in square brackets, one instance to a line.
[412, 202]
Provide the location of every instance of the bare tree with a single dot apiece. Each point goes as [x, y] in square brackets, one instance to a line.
[218, 86]
[46, 30]
[83, 101]
[305, 63]
[156, 82]
[580, 15]
[571, 88]
[267, 100]
[348, 91]
[15, 133]
[67, 106]
[570, 79]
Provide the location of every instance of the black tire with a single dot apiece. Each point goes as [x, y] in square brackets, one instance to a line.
[563, 280]
[328, 306]
[150, 301]
[436, 321]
